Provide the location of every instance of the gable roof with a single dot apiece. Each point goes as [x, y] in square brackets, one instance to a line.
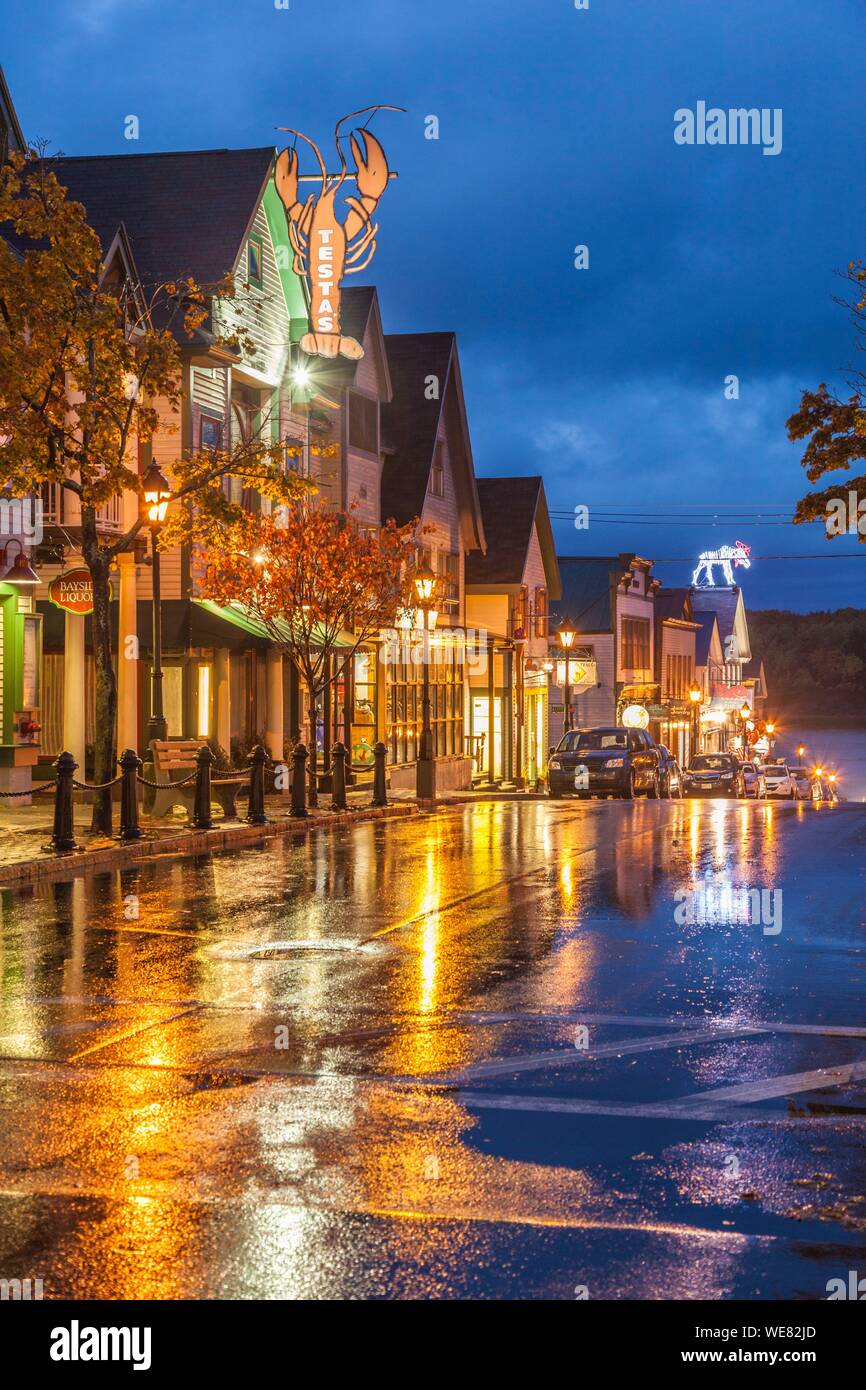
[730, 610]
[14, 134]
[410, 424]
[511, 508]
[704, 637]
[588, 582]
[359, 313]
[186, 212]
[674, 603]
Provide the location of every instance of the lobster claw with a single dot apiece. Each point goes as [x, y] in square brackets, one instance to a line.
[286, 178]
[372, 167]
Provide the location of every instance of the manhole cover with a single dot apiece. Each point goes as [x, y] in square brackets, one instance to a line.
[275, 950]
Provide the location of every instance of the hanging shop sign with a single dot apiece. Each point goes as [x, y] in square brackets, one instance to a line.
[635, 717]
[580, 674]
[728, 556]
[72, 591]
[325, 248]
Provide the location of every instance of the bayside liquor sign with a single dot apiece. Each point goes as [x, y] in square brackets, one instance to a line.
[72, 591]
[325, 248]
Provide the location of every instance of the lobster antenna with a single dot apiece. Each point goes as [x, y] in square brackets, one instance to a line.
[290, 130]
[351, 116]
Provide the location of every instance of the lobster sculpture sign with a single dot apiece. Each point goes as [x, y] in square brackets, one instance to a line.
[726, 556]
[325, 249]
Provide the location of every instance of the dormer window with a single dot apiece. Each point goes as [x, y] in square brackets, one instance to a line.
[255, 255]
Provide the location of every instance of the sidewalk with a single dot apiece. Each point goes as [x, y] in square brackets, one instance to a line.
[25, 831]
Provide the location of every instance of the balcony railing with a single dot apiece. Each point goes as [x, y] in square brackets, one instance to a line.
[57, 510]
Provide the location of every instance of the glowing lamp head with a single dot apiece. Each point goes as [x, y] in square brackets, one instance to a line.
[801, 748]
[831, 777]
[156, 495]
[424, 581]
[301, 377]
[566, 637]
[819, 772]
[771, 728]
[745, 711]
[694, 692]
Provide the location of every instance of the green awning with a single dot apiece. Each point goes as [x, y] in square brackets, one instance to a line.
[252, 626]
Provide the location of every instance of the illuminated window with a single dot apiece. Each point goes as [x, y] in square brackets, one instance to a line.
[203, 702]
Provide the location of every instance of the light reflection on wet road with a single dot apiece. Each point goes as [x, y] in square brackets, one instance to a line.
[353, 1067]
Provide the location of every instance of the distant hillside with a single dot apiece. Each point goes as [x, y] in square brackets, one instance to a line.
[815, 662]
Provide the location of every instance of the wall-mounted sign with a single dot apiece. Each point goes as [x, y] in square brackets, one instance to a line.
[325, 248]
[726, 556]
[72, 591]
[635, 717]
[581, 674]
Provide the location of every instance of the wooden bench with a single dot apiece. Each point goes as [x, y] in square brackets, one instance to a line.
[173, 761]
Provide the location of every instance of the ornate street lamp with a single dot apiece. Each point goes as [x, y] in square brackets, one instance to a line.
[157, 492]
[21, 571]
[425, 765]
[566, 637]
[771, 729]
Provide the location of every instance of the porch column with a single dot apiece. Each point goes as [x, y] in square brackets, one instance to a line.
[507, 718]
[491, 710]
[274, 726]
[222, 679]
[74, 693]
[127, 655]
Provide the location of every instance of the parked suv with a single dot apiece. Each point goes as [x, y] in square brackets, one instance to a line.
[753, 780]
[714, 774]
[612, 761]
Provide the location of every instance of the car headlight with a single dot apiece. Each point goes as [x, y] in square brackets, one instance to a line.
[614, 762]
[554, 765]
[725, 776]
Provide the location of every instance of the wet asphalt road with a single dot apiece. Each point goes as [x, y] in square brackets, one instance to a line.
[472, 1054]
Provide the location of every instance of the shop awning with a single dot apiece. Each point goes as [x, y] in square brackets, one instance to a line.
[251, 625]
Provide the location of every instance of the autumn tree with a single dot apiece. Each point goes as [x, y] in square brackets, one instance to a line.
[320, 583]
[835, 427]
[89, 371]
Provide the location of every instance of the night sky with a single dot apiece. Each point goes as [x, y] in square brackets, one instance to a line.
[556, 129]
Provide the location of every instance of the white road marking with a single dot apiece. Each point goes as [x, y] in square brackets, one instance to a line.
[574, 1056]
[791, 1084]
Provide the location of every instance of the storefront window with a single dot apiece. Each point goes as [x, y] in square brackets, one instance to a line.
[405, 696]
[363, 708]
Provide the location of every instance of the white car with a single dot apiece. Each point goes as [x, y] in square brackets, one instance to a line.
[779, 782]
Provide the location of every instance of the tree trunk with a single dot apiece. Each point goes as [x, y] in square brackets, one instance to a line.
[106, 681]
[313, 762]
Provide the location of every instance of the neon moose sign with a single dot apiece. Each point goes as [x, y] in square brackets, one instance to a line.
[325, 248]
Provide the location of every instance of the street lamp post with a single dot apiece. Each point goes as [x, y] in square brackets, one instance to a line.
[695, 694]
[425, 766]
[745, 711]
[771, 729]
[566, 641]
[156, 495]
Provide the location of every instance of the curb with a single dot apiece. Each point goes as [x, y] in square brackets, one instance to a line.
[187, 843]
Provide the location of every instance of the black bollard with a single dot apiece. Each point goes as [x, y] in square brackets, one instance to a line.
[63, 840]
[338, 786]
[299, 780]
[130, 829]
[380, 795]
[256, 809]
[201, 816]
